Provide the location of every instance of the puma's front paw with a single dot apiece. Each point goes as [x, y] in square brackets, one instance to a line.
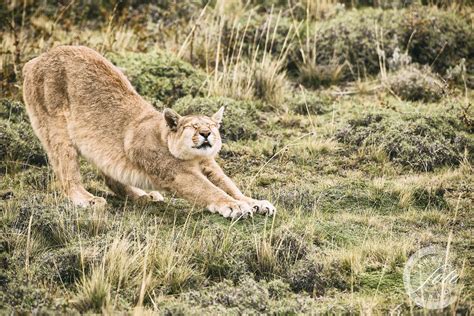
[262, 207]
[233, 210]
[156, 196]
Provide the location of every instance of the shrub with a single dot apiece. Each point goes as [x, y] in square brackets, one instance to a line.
[248, 295]
[240, 117]
[416, 141]
[437, 37]
[13, 111]
[60, 265]
[306, 276]
[431, 36]
[289, 247]
[275, 36]
[52, 221]
[351, 37]
[313, 75]
[18, 143]
[416, 84]
[161, 76]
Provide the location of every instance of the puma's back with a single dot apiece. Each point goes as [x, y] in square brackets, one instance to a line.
[78, 81]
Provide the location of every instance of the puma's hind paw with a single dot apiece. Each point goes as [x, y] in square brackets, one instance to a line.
[95, 201]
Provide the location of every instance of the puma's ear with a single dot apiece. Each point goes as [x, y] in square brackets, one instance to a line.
[217, 117]
[172, 118]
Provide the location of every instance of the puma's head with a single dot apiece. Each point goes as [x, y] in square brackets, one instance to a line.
[193, 136]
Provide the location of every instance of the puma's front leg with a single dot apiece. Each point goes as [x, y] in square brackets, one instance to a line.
[217, 176]
[196, 188]
[181, 177]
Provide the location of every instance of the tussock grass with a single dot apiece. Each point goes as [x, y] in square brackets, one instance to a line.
[239, 72]
[93, 292]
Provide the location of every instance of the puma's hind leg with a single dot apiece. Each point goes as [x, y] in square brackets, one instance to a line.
[46, 104]
[130, 192]
[63, 157]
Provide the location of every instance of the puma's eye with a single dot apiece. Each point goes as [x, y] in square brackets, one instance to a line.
[195, 126]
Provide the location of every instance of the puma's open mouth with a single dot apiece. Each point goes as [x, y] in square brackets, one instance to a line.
[204, 145]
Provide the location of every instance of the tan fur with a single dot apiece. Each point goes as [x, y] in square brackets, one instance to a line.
[80, 103]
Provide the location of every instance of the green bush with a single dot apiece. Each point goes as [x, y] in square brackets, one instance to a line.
[240, 117]
[352, 37]
[161, 76]
[418, 142]
[13, 111]
[19, 144]
[438, 38]
[414, 84]
[60, 265]
[433, 37]
[249, 296]
[306, 277]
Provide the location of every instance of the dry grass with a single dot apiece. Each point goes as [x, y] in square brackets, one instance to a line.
[243, 73]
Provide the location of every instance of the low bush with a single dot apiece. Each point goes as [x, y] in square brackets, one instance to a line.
[161, 76]
[306, 277]
[19, 145]
[431, 36]
[351, 37]
[416, 84]
[440, 38]
[276, 36]
[240, 117]
[417, 142]
[63, 265]
[248, 296]
[13, 111]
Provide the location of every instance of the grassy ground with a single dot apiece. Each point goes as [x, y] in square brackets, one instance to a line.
[366, 163]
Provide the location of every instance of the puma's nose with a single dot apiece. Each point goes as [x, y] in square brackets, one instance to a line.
[205, 134]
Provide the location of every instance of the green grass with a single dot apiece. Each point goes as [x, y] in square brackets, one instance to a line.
[347, 223]
[355, 198]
